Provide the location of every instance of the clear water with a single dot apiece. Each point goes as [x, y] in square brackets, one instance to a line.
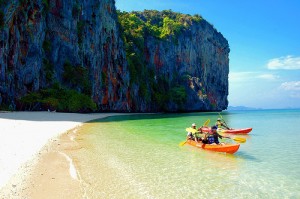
[139, 156]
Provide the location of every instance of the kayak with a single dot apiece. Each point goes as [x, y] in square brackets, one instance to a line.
[232, 131]
[237, 131]
[227, 148]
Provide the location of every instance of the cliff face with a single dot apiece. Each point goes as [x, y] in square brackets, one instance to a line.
[190, 65]
[20, 50]
[201, 54]
[77, 44]
[41, 39]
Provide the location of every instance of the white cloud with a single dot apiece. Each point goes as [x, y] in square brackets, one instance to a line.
[290, 86]
[240, 76]
[293, 89]
[268, 76]
[287, 63]
[246, 76]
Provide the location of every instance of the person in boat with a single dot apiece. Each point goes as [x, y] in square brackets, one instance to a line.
[212, 137]
[221, 125]
[194, 135]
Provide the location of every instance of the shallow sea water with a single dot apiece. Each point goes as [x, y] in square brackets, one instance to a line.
[139, 156]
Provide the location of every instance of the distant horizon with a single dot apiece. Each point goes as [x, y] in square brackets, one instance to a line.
[259, 108]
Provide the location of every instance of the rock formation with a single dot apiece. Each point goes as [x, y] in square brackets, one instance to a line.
[78, 45]
[40, 38]
[189, 67]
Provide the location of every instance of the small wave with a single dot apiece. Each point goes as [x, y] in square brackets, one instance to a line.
[72, 169]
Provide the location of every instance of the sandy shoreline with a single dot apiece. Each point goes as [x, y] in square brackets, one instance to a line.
[31, 147]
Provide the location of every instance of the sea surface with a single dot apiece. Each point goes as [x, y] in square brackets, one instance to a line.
[138, 156]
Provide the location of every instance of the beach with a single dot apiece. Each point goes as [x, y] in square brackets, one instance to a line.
[32, 164]
[51, 155]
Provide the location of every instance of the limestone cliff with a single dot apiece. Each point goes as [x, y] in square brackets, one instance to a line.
[41, 39]
[184, 65]
[78, 45]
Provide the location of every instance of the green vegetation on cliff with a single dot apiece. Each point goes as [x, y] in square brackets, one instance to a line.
[161, 26]
[76, 77]
[74, 96]
[57, 98]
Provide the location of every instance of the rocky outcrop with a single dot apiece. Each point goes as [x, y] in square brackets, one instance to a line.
[41, 38]
[77, 44]
[201, 54]
[194, 61]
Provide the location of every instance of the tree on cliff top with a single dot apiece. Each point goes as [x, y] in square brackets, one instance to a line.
[157, 24]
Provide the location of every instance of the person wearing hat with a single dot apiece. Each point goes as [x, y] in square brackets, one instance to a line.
[212, 137]
[220, 124]
[193, 135]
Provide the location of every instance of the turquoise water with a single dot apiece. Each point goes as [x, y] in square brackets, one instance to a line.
[139, 156]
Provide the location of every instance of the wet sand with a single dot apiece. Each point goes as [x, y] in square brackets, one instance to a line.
[33, 158]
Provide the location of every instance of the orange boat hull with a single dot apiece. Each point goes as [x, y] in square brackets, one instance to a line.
[227, 148]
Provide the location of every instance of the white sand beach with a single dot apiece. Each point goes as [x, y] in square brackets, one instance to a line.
[23, 136]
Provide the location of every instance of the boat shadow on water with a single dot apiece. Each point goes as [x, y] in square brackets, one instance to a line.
[245, 156]
[239, 155]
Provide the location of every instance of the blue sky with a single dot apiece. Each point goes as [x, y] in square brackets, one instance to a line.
[264, 39]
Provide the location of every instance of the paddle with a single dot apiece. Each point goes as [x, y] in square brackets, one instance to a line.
[237, 139]
[191, 130]
[182, 143]
[206, 122]
[223, 120]
[188, 130]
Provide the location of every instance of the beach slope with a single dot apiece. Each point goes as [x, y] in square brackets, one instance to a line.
[23, 136]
